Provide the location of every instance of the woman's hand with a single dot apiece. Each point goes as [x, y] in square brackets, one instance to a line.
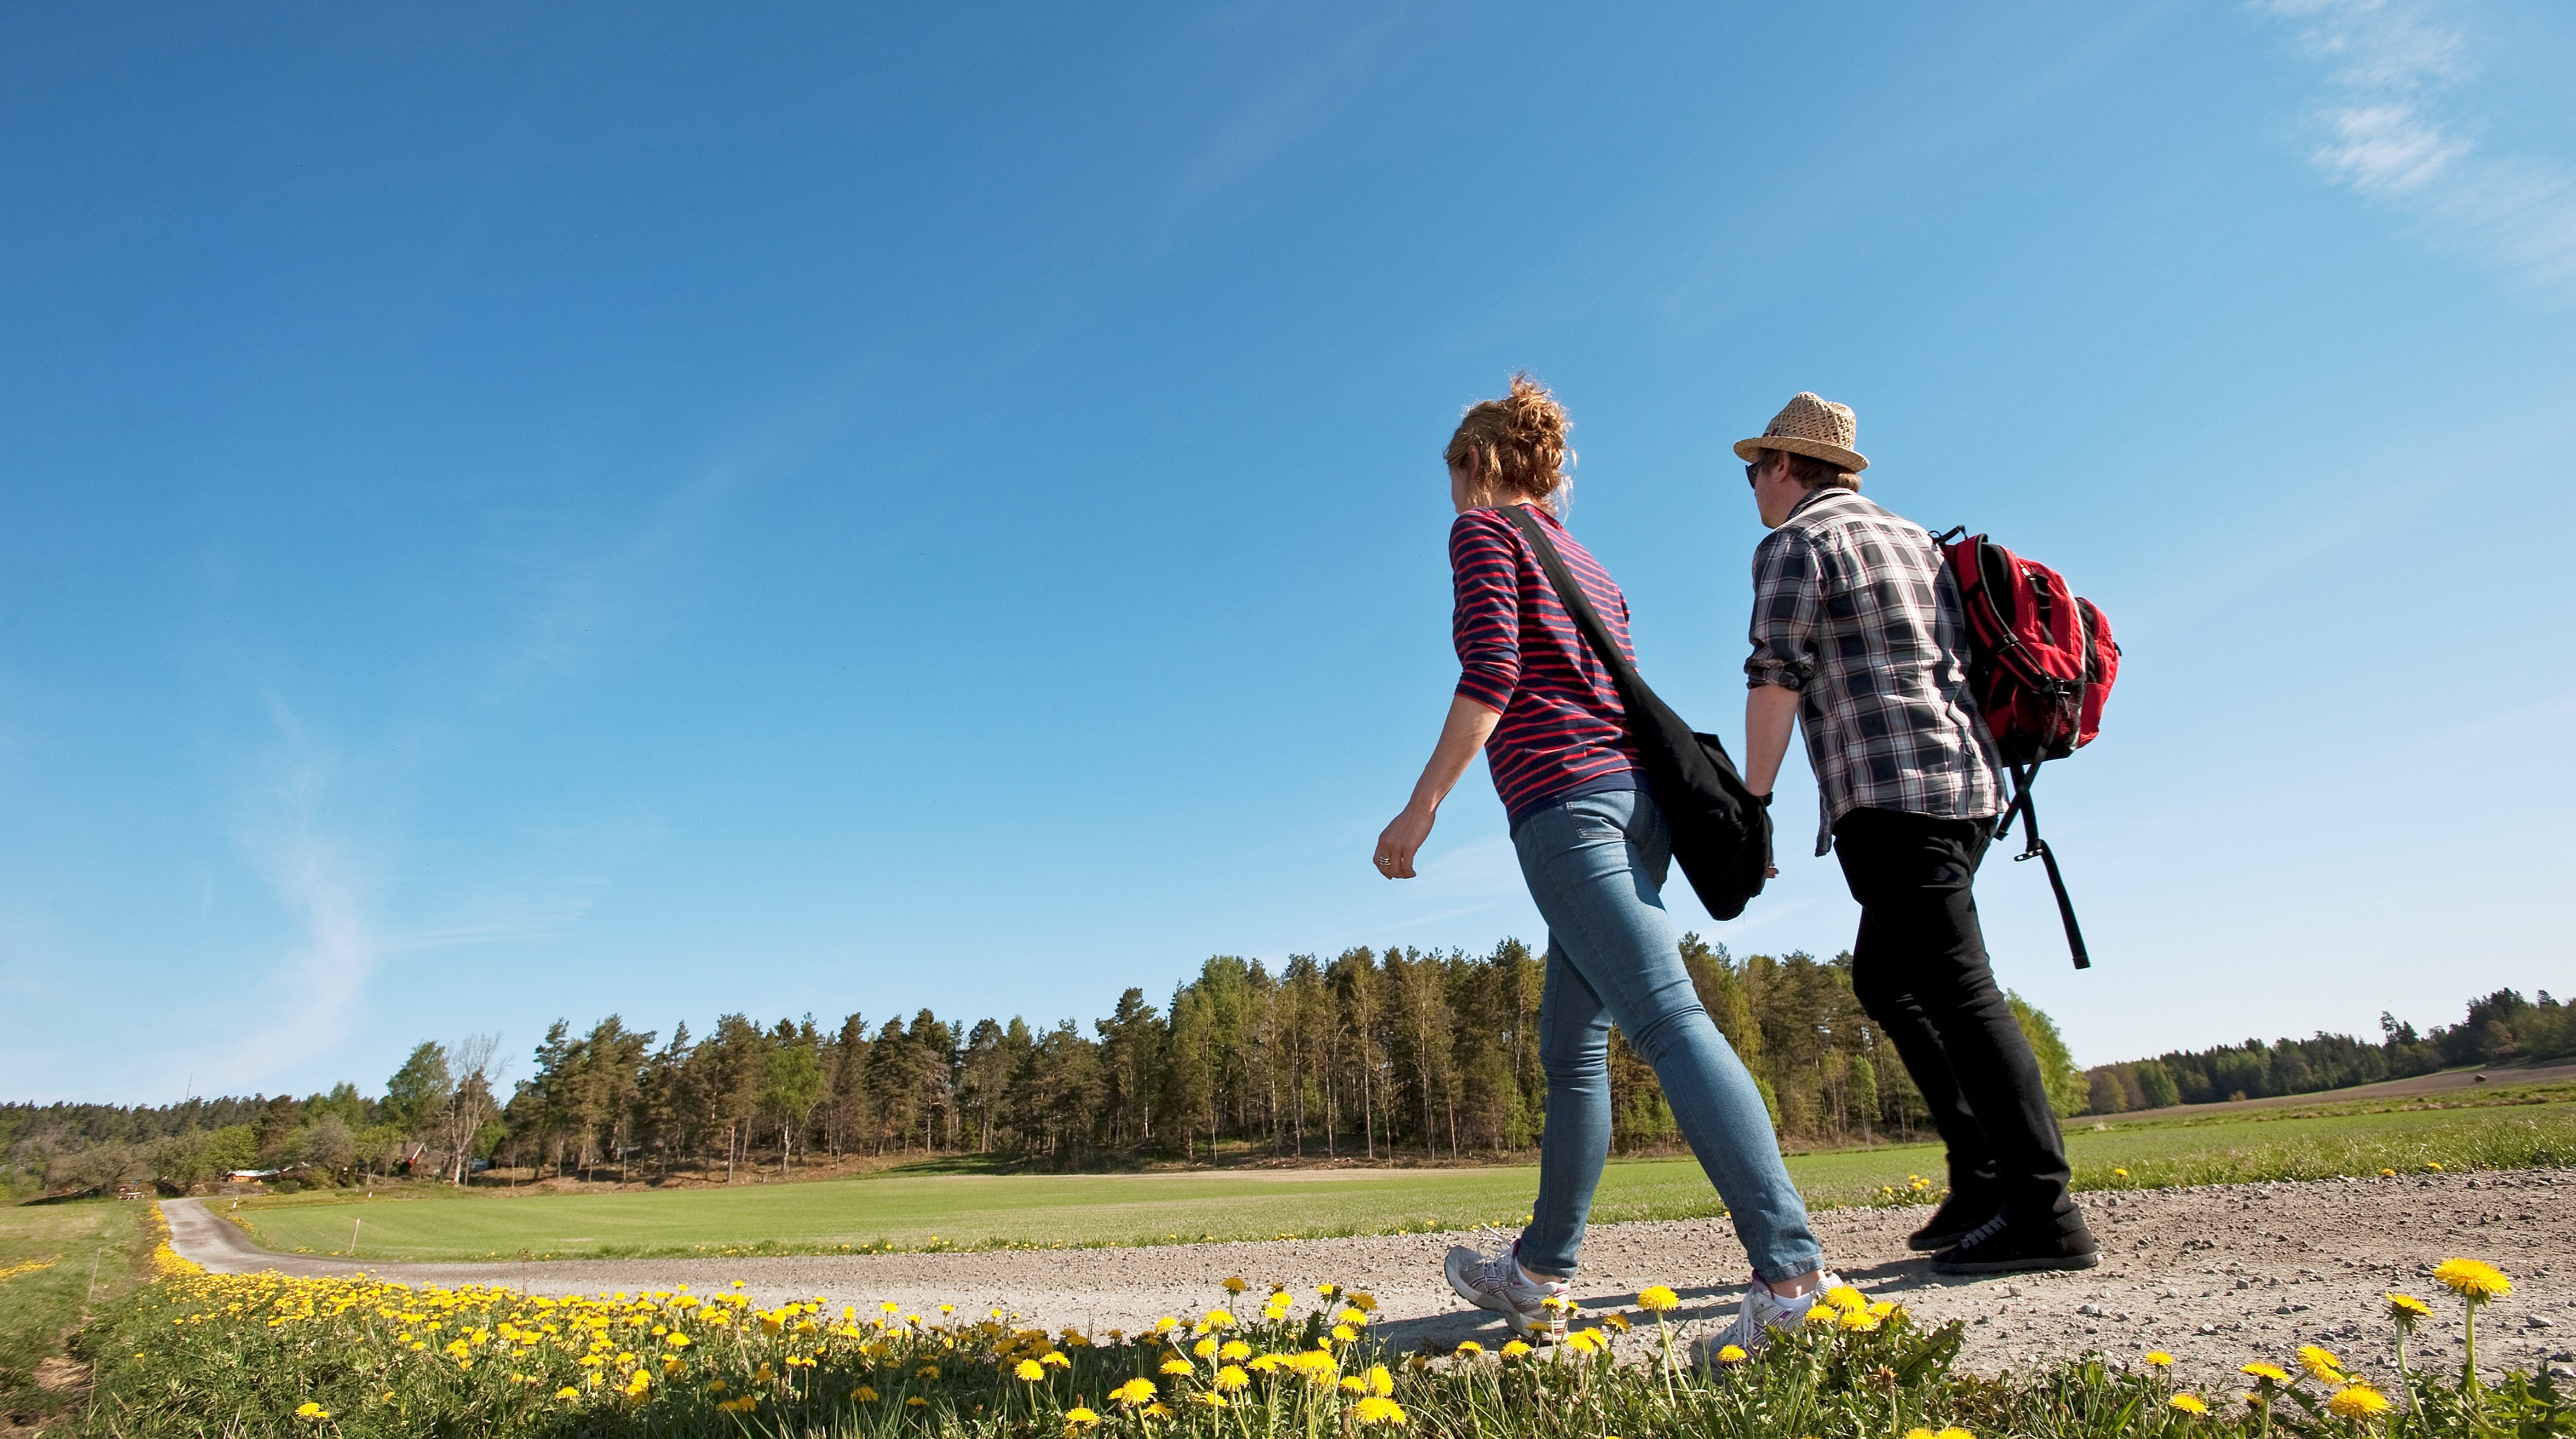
[1401, 840]
[1461, 736]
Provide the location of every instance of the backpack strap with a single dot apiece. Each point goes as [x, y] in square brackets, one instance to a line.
[2036, 848]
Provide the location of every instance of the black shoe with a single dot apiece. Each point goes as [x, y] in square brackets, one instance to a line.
[2000, 1246]
[1950, 1223]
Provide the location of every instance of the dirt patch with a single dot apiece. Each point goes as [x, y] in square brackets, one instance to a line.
[64, 1379]
[2217, 1276]
[58, 1375]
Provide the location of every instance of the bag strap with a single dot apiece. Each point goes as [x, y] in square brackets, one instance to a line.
[2034, 847]
[1577, 604]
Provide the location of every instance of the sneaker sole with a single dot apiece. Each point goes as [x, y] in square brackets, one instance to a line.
[1521, 1324]
[2016, 1266]
[1934, 1243]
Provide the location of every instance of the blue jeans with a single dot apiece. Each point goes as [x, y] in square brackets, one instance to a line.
[1595, 866]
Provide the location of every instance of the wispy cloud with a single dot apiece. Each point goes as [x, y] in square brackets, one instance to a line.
[300, 833]
[291, 841]
[2389, 130]
[1269, 120]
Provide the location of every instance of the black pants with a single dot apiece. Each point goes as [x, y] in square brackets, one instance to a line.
[1919, 969]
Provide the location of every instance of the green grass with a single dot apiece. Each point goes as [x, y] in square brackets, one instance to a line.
[956, 1211]
[50, 1248]
[241, 1356]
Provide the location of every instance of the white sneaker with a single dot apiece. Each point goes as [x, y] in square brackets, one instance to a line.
[1496, 1282]
[1763, 1314]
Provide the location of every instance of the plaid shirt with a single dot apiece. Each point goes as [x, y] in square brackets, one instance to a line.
[1854, 609]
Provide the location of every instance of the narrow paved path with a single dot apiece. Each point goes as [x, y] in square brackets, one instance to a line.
[2217, 1276]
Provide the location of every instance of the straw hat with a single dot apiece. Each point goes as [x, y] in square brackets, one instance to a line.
[1810, 426]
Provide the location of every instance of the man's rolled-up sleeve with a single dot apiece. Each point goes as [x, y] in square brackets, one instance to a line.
[1485, 618]
[1786, 604]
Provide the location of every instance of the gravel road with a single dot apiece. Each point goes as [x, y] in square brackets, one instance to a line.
[2217, 1276]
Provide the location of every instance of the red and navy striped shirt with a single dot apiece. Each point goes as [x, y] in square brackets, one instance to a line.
[1563, 732]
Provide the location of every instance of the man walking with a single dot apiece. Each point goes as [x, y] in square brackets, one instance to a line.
[1859, 637]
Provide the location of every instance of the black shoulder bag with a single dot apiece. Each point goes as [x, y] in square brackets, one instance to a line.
[1721, 832]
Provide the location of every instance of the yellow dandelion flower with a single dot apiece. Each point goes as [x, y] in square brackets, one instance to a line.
[2159, 1359]
[1615, 1321]
[1514, 1349]
[1029, 1371]
[1054, 1359]
[1586, 1341]
[2406, 1308]
[2321, 1364]
[1658, 1299]
[2474, 1279]
[1380, 1382]
[1231, 1378]
[1846, 1298]
[1377, 1409]
[2189, 1404]
[1134, 1392]
[1859, 1321]
[1352, 1384]
[864, 1394]
[2357, 1401]
[2119, 1173]
[310, 1410]
[1364, 1303]
[567, 1392]
[1732, 1354]
[1235, 1351]
[2388, 1174]
[1468, 1347]
[1205, 1348]
[1824, 1315]
[1176, 1366]
[1234, 1284]
[1345, 1333]
[2271, 1373]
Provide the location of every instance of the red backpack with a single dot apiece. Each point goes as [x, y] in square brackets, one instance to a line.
[2040, 663]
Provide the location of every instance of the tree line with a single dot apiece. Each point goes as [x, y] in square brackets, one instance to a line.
[1400, 1054]
[1369, 1055]
[2502, 1027]
[1373, 1055]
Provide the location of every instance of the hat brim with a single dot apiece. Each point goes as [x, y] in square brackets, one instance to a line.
[1851, 460]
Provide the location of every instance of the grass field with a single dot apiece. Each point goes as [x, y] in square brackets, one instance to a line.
[253, 1355]
[46, 1252]
[913, 1212]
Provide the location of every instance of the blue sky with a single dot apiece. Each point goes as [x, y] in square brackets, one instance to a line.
[508, 514]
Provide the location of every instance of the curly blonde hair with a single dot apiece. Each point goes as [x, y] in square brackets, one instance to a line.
[1514, 447]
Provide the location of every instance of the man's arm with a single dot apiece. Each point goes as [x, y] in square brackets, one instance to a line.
[1770, 713]
[1784, 652]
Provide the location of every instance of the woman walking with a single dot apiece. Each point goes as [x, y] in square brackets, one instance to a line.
[1594, 850]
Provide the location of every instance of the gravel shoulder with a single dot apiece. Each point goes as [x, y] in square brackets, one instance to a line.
[2217, 1276]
